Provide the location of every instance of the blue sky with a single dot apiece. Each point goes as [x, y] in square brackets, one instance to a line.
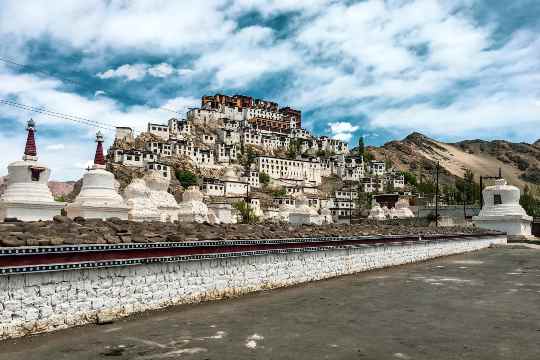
[452, 69]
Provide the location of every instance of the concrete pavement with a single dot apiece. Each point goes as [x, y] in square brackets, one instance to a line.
[482, 305]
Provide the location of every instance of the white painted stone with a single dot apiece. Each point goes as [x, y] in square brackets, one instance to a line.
[505, 215]
[153, 286]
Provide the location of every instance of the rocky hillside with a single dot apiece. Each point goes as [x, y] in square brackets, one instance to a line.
[417, 153]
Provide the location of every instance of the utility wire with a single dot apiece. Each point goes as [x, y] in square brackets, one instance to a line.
[36, 70]
[57, 115]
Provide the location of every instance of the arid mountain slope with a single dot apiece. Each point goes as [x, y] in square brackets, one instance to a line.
[417, 153]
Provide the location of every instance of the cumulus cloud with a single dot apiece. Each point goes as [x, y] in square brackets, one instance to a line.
[342, 130]
[140, 71]
[129, 72]
[161, 70]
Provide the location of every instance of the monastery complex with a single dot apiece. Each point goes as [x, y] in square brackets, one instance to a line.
[233, 142]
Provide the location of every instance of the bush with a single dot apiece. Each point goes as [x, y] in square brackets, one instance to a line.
[281, 192]
[246, 212]
[264, 178]
[186, 178]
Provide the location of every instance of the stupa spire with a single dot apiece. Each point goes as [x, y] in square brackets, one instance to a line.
[30, 148]
[99, 159]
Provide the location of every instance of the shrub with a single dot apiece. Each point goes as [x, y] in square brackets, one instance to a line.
[186, 178]
[247, 213]
[264, 178]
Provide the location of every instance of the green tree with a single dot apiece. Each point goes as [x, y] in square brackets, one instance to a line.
[247, 213]
[294, 148]
[248, 158]
[409, 178]
[264, 178]
[186, 178]
[281, 192]
[361, 146]
[530, 203]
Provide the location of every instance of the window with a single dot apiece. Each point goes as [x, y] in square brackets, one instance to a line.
[497, 199]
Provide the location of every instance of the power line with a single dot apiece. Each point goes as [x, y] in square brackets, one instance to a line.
[43, 72]
[58, 115]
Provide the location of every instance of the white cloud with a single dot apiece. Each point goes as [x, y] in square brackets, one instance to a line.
[342, 130]
[251, 53]
[161, 70]
[139, 71]
[101, 25]
[54, 147]
[129, 72]
[78, 140]
[99, 93]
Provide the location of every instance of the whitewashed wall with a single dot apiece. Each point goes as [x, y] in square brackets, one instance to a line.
[41, 302]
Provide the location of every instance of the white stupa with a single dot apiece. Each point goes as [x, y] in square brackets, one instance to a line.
[376, 212]
[98, 198]
[141, 207]
[284, 211]
[222, 212]
[501, 210]
[401, 210]
[303, 213]
[192, 208]
[326, 215]
[164, 201]
[27, 196]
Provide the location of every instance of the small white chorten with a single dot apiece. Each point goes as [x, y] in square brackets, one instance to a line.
[192, 208]
[98, 198]
[141, 207]
[165, 202]
[402, 210]
[326, 215]
[501, 210]
[376, 212]
[27, 196]
[222, 212]
[284, 211]
[303, 213]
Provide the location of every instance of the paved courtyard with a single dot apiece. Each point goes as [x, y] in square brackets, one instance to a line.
[483, 305]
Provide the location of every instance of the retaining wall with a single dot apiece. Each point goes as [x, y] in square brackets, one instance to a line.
[45, 301]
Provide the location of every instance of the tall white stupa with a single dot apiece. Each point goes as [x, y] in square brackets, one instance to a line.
[501, 210]
[27, 196]
[98, 198]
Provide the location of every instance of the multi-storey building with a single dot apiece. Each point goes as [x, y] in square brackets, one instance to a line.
[288, 169]
[377, 167]
[159, 130]
[160, 148]
[260, 113]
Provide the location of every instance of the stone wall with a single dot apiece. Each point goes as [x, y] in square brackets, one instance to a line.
[40, 302]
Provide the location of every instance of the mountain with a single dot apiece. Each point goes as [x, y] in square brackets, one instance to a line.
[417, 153]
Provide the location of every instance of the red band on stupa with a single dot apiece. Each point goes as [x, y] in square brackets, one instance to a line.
[30, 148]
[99, 159]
